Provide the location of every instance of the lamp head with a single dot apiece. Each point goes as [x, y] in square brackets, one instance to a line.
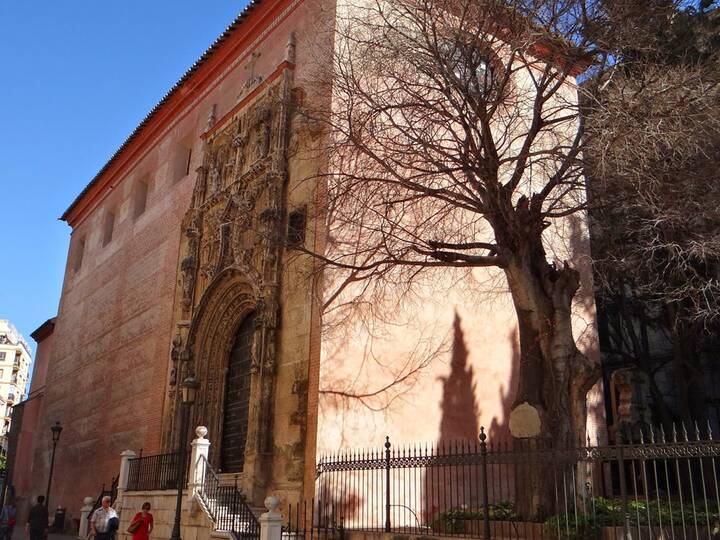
[56, 428]
[189, 390]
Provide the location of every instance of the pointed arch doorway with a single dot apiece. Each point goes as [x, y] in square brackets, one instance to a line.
[236, 408]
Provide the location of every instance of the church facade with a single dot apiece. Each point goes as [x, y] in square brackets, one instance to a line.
[183, 262]
[178, 265]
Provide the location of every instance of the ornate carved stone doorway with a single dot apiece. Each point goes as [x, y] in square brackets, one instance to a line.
[229, 277]
[237, 399]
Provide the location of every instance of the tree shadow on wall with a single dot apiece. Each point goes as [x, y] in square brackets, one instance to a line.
[452, 487]
[459, 406]
[499, 432]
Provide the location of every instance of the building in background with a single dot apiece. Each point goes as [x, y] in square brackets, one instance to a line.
[28, 429]
[15, 361]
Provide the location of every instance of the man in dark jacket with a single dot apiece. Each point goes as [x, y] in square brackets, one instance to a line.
[37, 523]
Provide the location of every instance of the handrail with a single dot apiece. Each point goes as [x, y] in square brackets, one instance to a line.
[226, 504]
[103, 492]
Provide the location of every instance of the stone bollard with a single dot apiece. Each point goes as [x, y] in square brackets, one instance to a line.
[200, 449]
[84, 515]
[271, 521]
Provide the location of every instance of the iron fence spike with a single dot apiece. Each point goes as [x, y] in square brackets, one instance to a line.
[709, 430]
[684, 431]
[697, 431]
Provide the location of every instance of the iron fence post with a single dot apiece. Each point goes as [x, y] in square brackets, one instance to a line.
[623, 483]
[387, 484]
[486, 506]
[234, 511]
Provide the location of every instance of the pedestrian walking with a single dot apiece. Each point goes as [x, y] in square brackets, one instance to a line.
[104, 521]
[142, 524]
[7, 521]
[37, 523]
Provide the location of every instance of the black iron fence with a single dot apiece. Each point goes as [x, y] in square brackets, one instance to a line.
[226, 505]
[305, 521]
[654, 485]
[156, 472]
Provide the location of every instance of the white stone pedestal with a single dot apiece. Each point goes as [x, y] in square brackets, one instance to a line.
[200, 450]
[84, 514]
[271, 521]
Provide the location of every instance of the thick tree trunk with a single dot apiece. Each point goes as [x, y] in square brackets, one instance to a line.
[554, 376]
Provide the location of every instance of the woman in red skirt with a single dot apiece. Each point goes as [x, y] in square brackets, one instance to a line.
[142, 524]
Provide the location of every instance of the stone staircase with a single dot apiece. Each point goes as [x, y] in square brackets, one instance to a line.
[227, 507]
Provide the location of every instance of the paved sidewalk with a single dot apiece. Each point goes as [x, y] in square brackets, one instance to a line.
[19, 534]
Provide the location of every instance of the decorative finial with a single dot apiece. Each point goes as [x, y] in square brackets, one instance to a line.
[290, 48]
[211, 118]
[201, 431]
[271, 503]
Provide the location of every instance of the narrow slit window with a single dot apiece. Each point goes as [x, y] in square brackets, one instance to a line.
[108, 226]
[79, 253]
[183, 158]
[140, 198]
[187, 163]
[296, 228]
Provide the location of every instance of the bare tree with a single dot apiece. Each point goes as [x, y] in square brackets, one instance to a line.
[654, 127]
[455, 143]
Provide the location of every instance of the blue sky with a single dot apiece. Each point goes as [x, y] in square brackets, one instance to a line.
[76, 78]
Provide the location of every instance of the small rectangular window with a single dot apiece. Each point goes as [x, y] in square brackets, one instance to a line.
[140, 195]
[2, 372]
[108, 226]
[79, 253]
[296, 228]
[183, 157]
[2, 356]
[187, 163]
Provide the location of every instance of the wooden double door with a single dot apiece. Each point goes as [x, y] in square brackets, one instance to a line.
[237, 399]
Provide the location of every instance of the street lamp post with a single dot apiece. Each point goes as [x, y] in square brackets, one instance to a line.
[189, 388]
[55, 429]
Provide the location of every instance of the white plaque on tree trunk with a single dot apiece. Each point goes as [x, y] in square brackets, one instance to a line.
[525, 421]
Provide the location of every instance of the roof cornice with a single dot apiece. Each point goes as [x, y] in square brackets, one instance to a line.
[44, 330]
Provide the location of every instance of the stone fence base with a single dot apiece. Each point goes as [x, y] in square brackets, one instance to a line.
[194, 523]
